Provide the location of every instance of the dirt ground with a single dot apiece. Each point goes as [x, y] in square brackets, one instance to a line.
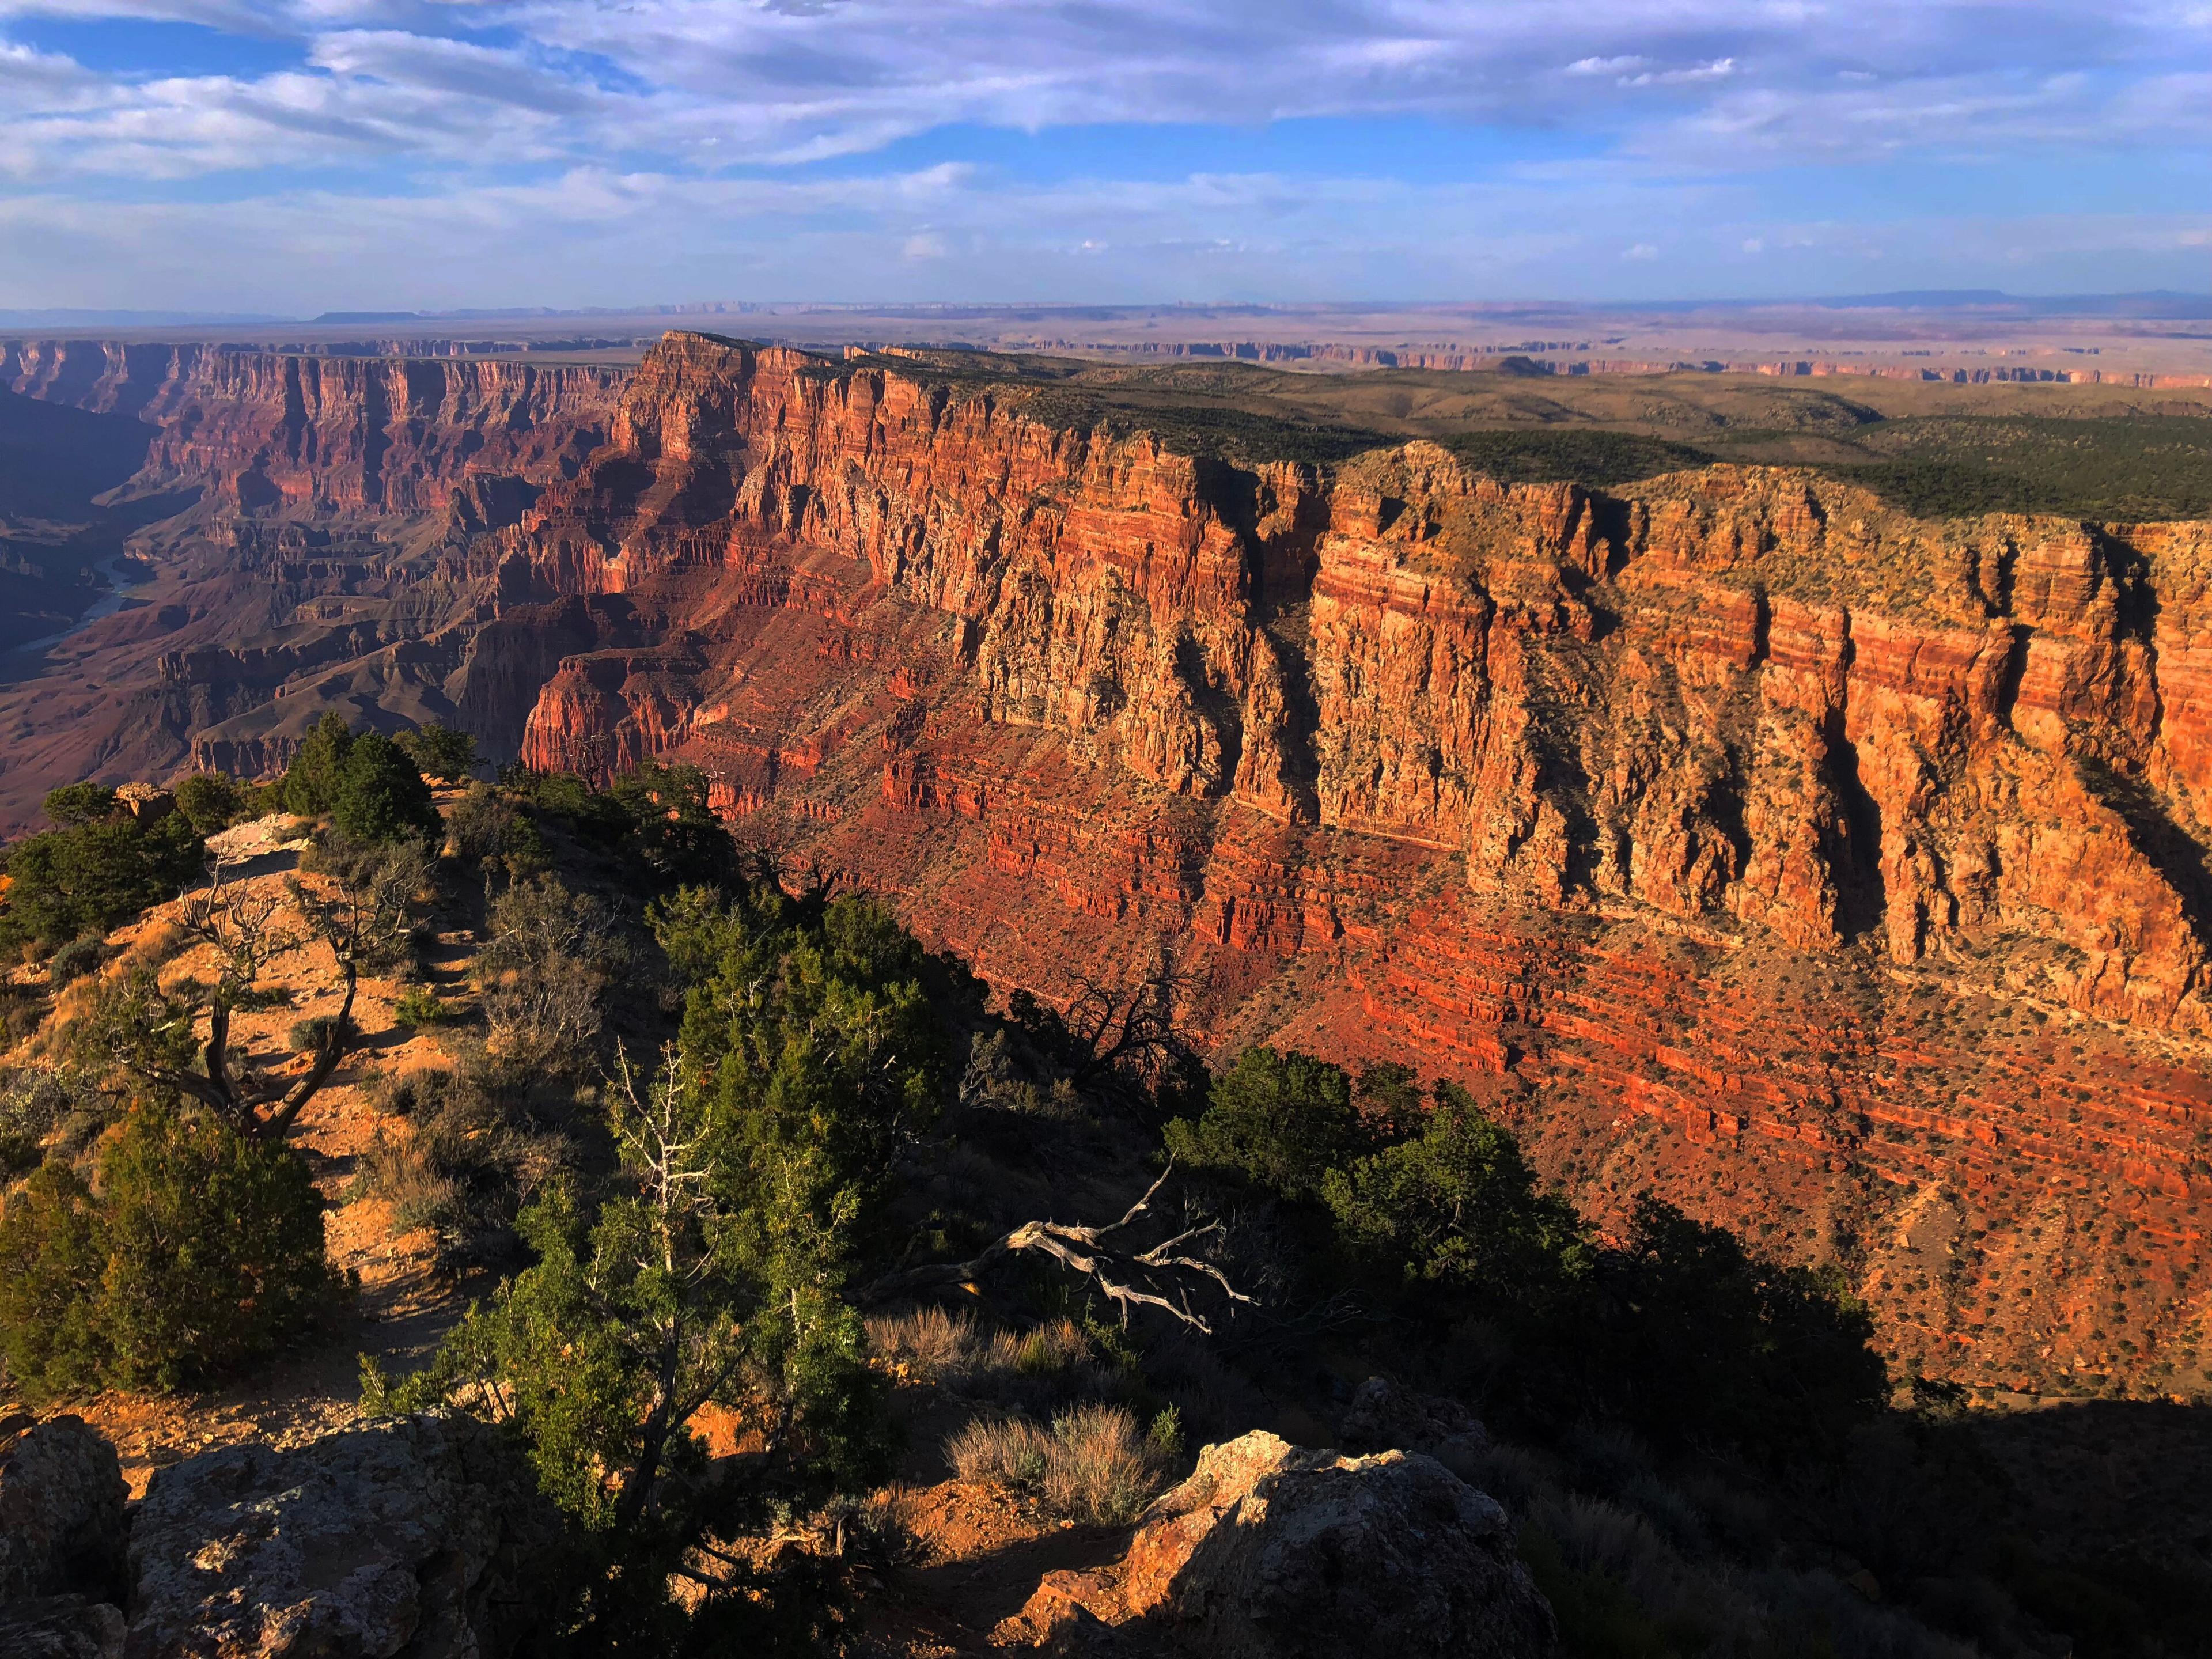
[971, 1554]
[405, 1307]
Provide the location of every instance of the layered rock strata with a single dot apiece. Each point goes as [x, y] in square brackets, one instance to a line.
[320, 559]
[1738, 834]
[1840, 876]
[272, 432]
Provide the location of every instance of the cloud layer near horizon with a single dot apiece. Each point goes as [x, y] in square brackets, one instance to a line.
[411, 152]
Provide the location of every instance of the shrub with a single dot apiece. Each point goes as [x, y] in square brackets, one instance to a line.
[464, 1166]
[419, 1005]
[550, 956]
[90, 876]
[76, 959]
[75, 804]
[655, 820]
[484, 825]
[441, 752]
[1091, 1465]
[381, 796]
[1164, 1436]
[51, 1256]
[310, 784]
[1281, 1121]
[31, 1103]
[1457, 1207]
[215, 1251]
[22, 1011]
[308, 1037]
[202, 1253]
[212, 800]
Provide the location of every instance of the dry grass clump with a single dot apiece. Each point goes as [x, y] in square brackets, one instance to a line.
[889, 1525]
[927, 1345]
[1057, 1346]
[1006, 1451]
[1055, 1361]
[470, 1158]
[1090, 1465]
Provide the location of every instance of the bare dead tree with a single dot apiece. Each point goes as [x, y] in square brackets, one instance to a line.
[153, 1032]
[1162, 1275]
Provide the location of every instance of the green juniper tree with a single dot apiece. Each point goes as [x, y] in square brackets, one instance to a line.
[100, 868]
[1281, 1121]
[441, 752]
[200, 1253]
[712, 1266]
[381, 796]
[211, 800]
[310, 785]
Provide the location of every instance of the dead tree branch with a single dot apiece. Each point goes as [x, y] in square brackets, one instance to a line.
[1161, 1275]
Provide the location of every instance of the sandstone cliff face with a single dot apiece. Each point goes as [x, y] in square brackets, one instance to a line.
[107, 377]
[1743, 698]
[323, 561]
[1704, 817]
[270, 433]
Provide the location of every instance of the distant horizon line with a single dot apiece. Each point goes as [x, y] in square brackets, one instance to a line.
[2128, 302]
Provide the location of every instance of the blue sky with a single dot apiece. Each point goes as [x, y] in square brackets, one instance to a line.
[298, 156]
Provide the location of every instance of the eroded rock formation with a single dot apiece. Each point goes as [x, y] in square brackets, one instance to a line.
[1842, 877]
[267, 431]
[62, 1528]
[419, 1536]
[1839, 874]
[327, 507]
[1269, 1552]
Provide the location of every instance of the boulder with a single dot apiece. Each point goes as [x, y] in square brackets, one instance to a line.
[422, 1536]
[61, 1524]
[1269, 1552]
[145, 802]
[61, 1627]
[1384, 1417]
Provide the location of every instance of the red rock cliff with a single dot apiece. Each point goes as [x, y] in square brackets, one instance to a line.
[288, 434]
[1705, 819]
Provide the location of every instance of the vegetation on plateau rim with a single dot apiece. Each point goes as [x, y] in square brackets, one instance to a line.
[2115, 468]
[715, 1137]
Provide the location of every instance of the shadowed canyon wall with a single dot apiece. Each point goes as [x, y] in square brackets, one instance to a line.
[321, 565]
[269, 432]
[1840, 876]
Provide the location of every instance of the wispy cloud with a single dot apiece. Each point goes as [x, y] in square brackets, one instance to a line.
[716, 101]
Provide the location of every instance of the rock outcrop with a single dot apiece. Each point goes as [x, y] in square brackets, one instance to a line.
[418, 1537]
[62, 1527]
[1269, 1552]
[1384, 1416]
[61, 1627]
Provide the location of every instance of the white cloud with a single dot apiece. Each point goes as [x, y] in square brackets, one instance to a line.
[714, 82]
[443, 105]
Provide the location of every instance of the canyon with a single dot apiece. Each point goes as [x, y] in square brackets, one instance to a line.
[1838, 875]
